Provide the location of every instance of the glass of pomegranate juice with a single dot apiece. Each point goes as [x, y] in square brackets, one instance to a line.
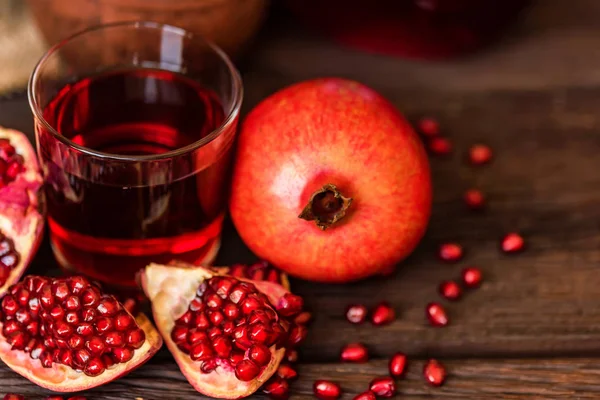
[135, 142]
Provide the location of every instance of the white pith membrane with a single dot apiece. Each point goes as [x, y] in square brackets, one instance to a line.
[21, 211]
[63, 378]
[171, 289]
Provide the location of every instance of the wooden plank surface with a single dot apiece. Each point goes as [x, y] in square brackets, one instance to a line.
[544, 182]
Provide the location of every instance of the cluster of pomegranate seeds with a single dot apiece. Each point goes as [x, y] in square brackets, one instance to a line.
[436, 314]
[355, 352]
[68, 321]
[512, 243]
[474, 199]
[471, 277]
[259, 271]
[326, 390]
[480, 154]
[450, 290]
[434, 372]
[9, 258]
[383, 387]
[397, 365]
[11, 163]
[230, 321]
[451, 252]
[382, 314]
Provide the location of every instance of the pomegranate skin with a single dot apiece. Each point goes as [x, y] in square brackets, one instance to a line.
[338, 132]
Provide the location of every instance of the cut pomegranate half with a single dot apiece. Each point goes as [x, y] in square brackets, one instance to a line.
[66, 335]
[21, 206]
[227, 334]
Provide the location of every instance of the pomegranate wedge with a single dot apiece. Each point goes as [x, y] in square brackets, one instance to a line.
[21, 206]
[228, 334]
[66, 335]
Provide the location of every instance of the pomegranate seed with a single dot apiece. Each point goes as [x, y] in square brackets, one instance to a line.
[356, 314]
[95, 346]
[326, 390]
[202, 351]
[368, 395]
[246, 370]
[213, 301]
[382, 314]
[397, 365]
[76, 342]
[450, 290]
[81, 358]
[114, 339]
[260, 354]
[55, 398]
[428, 126]
[222, 346]
[90, 297]
[193, 336]
[103, 325]
[122, 354]
[434, 372]
[436, 314]
[60, 290]
[11, 396]
[94, 367]
[208, 366]
[9, 305]
[85, 329]
[480, 154]
[512, 243]
[474, 199]
[231, 311]
[236, 357]
[383, 387]
[123, 321]
[216, 317]
[451, 252]
[250, 304]
[291, 356]
[287, 372]
[136, 338]
[107, 306]
[440, 146]
[290, 304]
[297, 334]
[355, 352]
[471, 277]
[277, 388]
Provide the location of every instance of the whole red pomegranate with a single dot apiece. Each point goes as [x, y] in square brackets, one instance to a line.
[330, 182]
[227, 334]
[21, 206]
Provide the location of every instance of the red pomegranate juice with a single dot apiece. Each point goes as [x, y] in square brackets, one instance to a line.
[106, 221]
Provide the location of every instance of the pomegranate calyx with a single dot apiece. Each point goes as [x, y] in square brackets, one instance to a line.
[326, 207]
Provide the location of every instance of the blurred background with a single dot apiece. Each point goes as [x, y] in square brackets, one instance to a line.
[420, 43]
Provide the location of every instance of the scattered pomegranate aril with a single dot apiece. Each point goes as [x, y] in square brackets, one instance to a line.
[287, 372]
[512, 243]
[326, 390]
[471, 277]
[382, 314]
[291, 356]
[434, 373]
[277, 388]
[356, 314]
[383, 387]
[368, 395]
[436, 314]
[355, 352]
[56, 337]
[439, 146]
[450, 252]
[303, 318]
[11, 396]
[480, 154]
[474, 199]
[232, 355]
[428, 126]
[397, 365]
[450, 290]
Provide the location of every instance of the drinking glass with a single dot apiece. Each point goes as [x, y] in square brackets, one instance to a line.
[135, 143]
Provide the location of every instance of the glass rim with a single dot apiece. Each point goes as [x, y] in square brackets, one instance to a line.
[236, 102]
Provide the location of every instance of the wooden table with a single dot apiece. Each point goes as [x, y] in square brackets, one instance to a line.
[533, 329]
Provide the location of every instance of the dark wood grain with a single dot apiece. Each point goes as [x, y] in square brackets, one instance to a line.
[536, 103]
[557, 378]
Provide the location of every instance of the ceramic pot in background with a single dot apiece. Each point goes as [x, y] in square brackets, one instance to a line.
[231, 24]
